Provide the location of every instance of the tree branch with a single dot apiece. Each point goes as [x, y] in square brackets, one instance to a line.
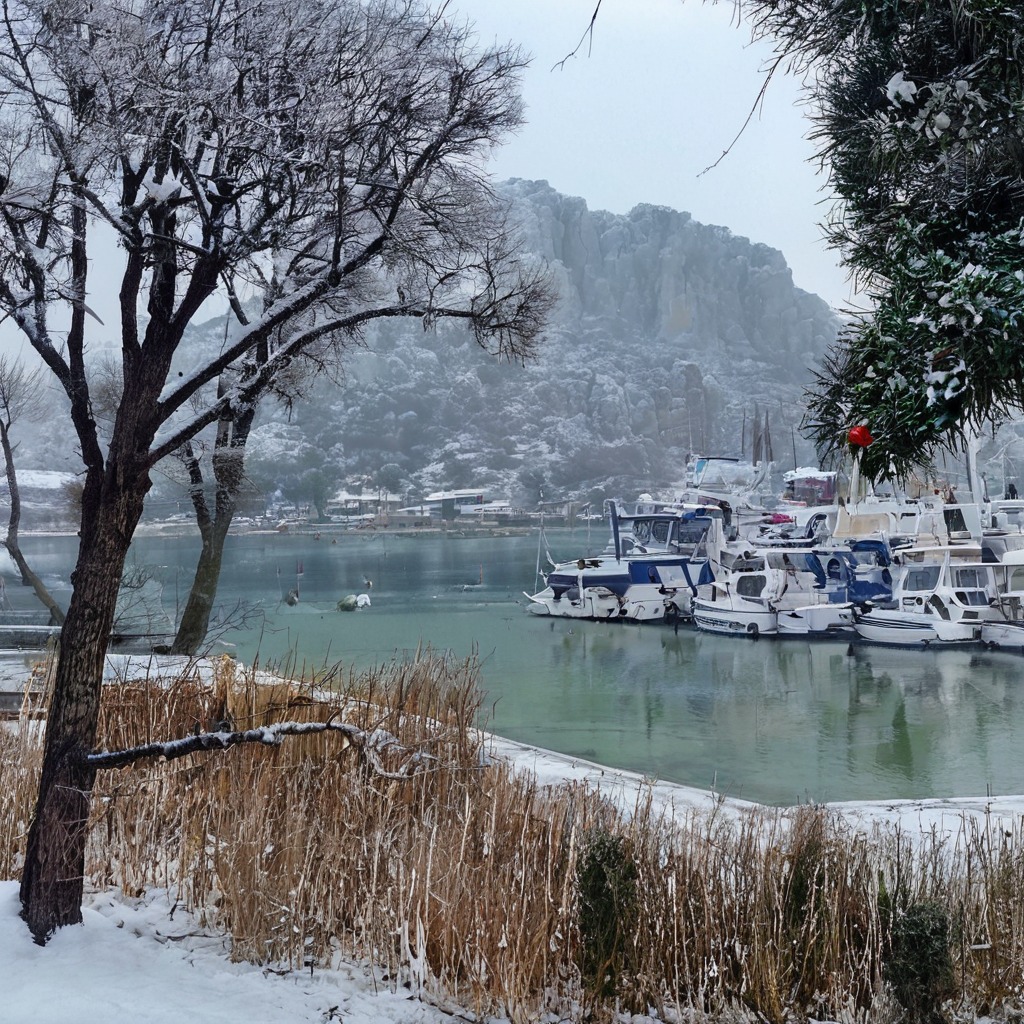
[754, 107]
[587, 35]
[371, 745]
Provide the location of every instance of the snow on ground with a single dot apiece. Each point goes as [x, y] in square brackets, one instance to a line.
[934, 816]
[48, 479]
[135, 961]
[131, 962]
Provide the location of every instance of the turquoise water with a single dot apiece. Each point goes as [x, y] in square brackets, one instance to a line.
[774, 721]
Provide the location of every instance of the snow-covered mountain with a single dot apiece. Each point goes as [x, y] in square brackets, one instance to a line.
[668, 336]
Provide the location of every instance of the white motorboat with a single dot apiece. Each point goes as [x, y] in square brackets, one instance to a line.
[796, 592]
[653, 566]
[1006, 631]
[711, 479]
[857, 576]
[1002, 529]
[1005, 634]
[941, 596]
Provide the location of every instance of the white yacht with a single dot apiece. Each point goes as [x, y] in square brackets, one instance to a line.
[792, 591]
[941, 596]
[1006, 631]
[649, 572]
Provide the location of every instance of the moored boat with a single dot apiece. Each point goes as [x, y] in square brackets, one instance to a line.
[941, 596]
[656, 560]
[1006, 631]
[805, 592]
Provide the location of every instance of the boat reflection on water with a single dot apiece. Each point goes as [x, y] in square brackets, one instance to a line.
[777, 722]
[821, 721]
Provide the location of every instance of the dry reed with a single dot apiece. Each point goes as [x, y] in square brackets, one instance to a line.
[465, 880]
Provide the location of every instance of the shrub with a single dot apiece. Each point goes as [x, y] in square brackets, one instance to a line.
[919, 967]
[606, 877]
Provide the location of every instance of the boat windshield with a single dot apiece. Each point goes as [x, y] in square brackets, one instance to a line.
[750, 584]
[651, 531]
[923, 577]
[689, 533]
[974, 578]
[868, 558]
[972, 585]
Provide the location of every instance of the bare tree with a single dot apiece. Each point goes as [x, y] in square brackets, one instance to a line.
[21, 397]
[326, 155]
[228, 463]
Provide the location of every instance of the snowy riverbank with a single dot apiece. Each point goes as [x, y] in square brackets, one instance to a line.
[146, 960]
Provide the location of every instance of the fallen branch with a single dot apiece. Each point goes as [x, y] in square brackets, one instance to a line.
[369, 744]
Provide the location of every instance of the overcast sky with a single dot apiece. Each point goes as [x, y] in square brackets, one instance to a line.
[652, 100]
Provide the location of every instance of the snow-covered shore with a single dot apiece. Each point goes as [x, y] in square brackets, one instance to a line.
[933, 816]
[137, 960]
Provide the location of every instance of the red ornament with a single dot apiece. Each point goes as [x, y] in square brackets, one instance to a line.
[860, 436]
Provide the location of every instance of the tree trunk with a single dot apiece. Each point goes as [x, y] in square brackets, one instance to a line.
[195, 619]
[28, 577]
[31, 579]
[53, 876]
[228, 471]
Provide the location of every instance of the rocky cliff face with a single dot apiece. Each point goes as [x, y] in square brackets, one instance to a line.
[669, 337]
[660, 273]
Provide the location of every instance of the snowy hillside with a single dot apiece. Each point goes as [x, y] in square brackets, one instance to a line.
[669, 337]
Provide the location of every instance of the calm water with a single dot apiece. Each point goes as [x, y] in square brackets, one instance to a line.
[775, 721]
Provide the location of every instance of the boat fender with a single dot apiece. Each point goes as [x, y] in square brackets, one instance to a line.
[671, 613]
[753, 631]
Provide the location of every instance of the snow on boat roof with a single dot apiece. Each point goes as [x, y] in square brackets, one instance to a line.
[808, 473]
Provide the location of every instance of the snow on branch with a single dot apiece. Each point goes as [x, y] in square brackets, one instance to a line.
[371, 746]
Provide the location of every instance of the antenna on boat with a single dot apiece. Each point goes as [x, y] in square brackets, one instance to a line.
[613, 515]
[541, 539]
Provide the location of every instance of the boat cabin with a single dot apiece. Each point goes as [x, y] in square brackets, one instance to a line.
[806, 487]
[674, 532]
[943, 581]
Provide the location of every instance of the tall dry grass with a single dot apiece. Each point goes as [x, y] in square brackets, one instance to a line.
[470, 882]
